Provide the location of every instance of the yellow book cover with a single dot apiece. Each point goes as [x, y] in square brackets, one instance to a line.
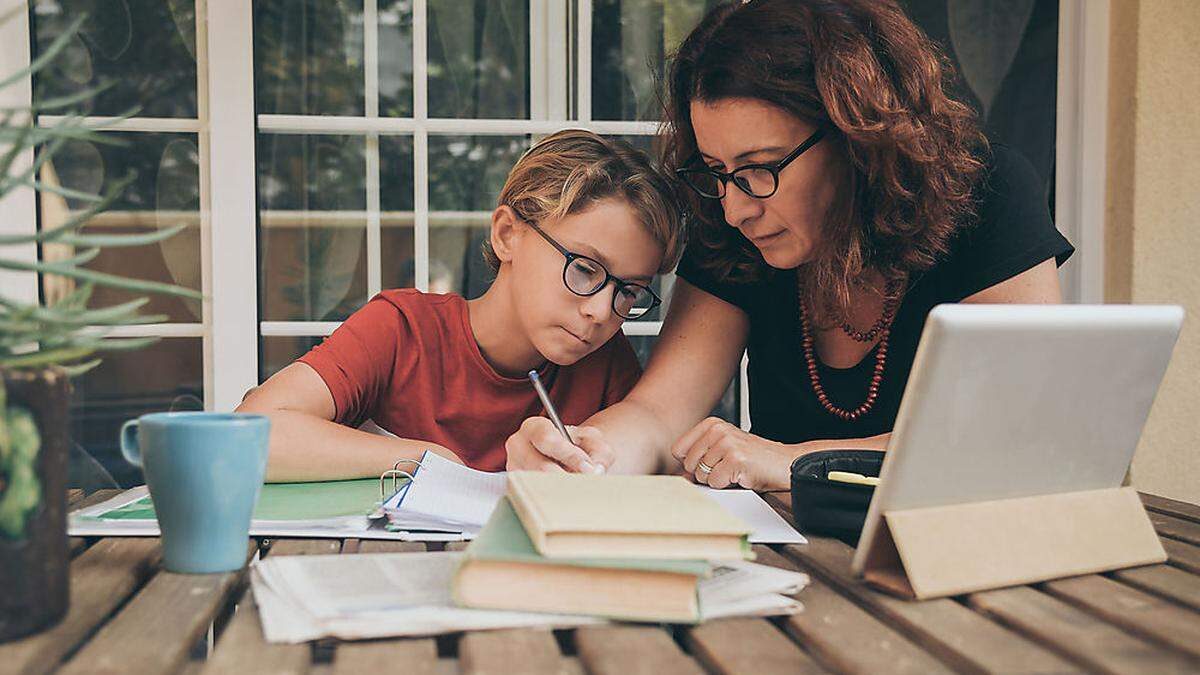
[661, 517]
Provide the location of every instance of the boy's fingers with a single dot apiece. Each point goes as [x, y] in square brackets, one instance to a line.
[550, 443]
[548, 466]
[592, 441]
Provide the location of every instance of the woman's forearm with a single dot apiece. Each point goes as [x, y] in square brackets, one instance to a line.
[639, 436]
[868, 443]
[306, 448]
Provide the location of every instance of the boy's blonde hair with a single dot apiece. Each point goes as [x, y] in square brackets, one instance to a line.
[570, 171]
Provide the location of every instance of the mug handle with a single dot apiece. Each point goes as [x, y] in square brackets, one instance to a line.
[129, 443]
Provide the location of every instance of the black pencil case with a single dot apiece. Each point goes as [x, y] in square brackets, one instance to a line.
[833, 508]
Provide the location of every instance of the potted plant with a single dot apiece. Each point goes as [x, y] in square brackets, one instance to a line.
[42, 346]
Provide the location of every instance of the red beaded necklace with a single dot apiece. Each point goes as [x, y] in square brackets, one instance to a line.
[881, 329]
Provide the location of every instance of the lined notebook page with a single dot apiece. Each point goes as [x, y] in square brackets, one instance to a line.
[451, 492]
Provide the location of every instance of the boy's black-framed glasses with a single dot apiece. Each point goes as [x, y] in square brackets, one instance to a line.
[586, 277]
[757, 180]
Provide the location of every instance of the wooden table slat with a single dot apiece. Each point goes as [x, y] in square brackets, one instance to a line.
[1137, 612]
[845, 638]
[94, 498]
[959, 636]
[102, 578]
[74, 496]
[631, 650]
[1171, 507]
[750, 646]
[410, 657]
[1175, 528]
[524, 650]
[1181, 555]
[1077, 634]
[305, 546]
[241, 648]
[386, 546]
[841, 635]
[154, 632]
[1169, 582]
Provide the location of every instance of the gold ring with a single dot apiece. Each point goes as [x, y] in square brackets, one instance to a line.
[704, 467]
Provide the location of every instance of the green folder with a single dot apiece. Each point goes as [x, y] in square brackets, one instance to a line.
[287, 501]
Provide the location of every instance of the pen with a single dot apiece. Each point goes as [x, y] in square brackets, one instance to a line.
[550, 412]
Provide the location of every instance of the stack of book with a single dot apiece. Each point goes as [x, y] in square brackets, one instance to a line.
[622, 547]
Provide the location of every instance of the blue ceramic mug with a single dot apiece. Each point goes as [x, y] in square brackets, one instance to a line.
[204, 471]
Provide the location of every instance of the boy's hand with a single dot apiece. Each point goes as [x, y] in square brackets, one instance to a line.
[538, 446]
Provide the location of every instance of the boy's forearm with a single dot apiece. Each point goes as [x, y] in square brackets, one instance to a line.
[307, 448]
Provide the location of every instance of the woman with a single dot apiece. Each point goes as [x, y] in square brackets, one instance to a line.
[838, 195]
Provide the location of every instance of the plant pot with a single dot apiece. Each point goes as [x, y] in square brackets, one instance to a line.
[33, 503]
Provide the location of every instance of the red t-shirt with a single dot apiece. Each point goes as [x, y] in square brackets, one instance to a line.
[409, 362]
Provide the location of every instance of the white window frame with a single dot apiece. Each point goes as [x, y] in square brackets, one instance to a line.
[230, 327]
[1081, 144]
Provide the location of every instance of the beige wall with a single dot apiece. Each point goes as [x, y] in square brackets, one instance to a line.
[1153, 214]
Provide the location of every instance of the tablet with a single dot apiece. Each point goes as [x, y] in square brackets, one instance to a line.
[1008, 401]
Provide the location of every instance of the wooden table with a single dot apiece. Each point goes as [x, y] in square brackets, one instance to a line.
[128, 616]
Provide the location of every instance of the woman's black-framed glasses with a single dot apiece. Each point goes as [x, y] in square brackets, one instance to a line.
[757, 180]
[586, 277]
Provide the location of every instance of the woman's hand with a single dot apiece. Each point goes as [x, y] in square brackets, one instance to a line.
[719, 454]
[538, 446]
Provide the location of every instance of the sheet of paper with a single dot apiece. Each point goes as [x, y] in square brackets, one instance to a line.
[737, 579]
[766, 525]
[373, 595]
[365, 596]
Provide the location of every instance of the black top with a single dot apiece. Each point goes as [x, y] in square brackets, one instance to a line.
[1012, 233]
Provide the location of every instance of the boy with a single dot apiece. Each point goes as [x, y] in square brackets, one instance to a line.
[582, 226]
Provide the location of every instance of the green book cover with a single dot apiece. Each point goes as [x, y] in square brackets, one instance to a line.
[504, 538]
[287, 501]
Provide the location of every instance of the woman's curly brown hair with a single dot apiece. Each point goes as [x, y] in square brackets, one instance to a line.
[864, 71]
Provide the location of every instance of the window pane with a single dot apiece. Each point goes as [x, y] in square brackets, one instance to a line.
[308, 57]
[166, 376]
[479, 58]
[279, 351]
[727, 408]
[395, 58]
[312, 243]
[1006, 60]
[466, 174]
[165, 192]
[145, 49]
[630, 39]
[397, 251]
